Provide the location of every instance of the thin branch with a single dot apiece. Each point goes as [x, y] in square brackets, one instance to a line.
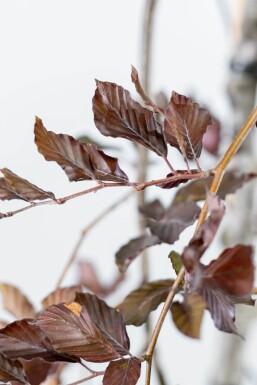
[93, 375]
[139, 186]
[85, 232]
[219, 172]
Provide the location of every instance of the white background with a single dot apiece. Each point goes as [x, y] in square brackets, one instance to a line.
[51, 52]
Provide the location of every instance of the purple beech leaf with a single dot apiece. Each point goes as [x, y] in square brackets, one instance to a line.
[123, 372]
[176, 183]
[154, 210]
[108, 321]
[221, 309]
[185, 124]
[61, 294]
[176, 219]
[136, 307]
[72, 331]
[80, 161]
[205, 234]
[141, 92]
[24, 339]
[212, 137]
[15, 302]
[14, 187]
[132, 249]
[116, 114]
[188, 315]
[196, 190]
[38, 370]
[11, 370]
[232, 271]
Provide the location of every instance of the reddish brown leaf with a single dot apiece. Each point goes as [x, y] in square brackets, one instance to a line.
[11, 370]
[116, 114]
[80, 161]
[37, 370]
[196, 190]
[141, 92]
[187, 315]
[205, 234]
[123, 372]
[72, 331]
[16, 302]
[185, 125]
[24, 339]
[132, 249]
[176, 219]
[61, 294]
[233, 271]
[108, 321]
[90, 280]
[14, 187]
[136, 307]
[211, 139]
[176, 183]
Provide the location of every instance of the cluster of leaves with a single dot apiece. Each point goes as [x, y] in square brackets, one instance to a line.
[75, 326]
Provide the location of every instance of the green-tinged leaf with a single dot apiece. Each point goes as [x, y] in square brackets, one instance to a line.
[108, 321]
[187, 315]
[116, 114]
[185, 124]
[24, 339]
[196, 190]
[175, 259]
[80, 161]
[132, 249]
[72, 331]
[89, 139]
[11, 370]
[14, 187]
[176, 219]
[136, 307]
[61, 294]
[16, 302]
[123, 372]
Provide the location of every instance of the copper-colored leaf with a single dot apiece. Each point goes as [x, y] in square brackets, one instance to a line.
[16, 302]
[205, 234]
[187, 315]
[61, 294]
[80, 161]
[132, 249]
[14, 187]
[108, 321]
[176, 219]
[37, 370]
[72, 331]
[24, 339]
[233, 271]
[196, 190]
[141, 92]
[185, 125]
[123, 372]
[11, 370]
[136, 307]
[116, 114]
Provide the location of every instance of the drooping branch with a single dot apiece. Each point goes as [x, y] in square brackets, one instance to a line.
[218, 172]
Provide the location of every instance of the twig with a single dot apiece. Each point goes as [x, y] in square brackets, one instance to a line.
[219, 172]
[85, 232]
[139, 186]
[93, 375]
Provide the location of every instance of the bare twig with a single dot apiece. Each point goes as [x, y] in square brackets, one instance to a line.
[85, 232]
[219, 172]
[93, 375]
[139, 186]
